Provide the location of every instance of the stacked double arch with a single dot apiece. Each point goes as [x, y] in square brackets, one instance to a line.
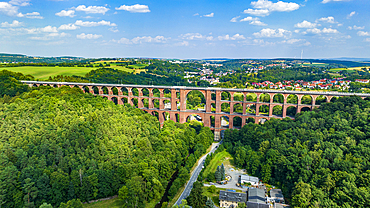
[169, 102]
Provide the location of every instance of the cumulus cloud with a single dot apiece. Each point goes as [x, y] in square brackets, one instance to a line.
[362, 33]
[64, 13]
[327, 20]
[209, 15]
[15, 23]
[92, 9]
[257, 12]
[235, 19]
[137, 8]
[32, 15]
[49, 29]
[351, 14]
[248, 19]
[195, 36]
[113, 29]
[318, 31]
[272, 33]
[265, 7]
[258, 23]
[20, 2]
[356, 27]
[68, 27]
[8, 9]
[306, 24]
[234, 37]
[94, 24]
[253, 21]
[88, 36]
[140, 40]
[327, 1]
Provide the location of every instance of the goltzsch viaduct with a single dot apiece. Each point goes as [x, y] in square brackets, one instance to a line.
[224, 108]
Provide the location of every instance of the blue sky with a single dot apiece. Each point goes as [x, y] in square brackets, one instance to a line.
[186, 28]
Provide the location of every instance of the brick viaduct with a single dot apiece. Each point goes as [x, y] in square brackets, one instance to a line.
[169, 102]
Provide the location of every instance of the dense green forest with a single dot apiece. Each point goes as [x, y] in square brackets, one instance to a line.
[321, 159]
[57, 145]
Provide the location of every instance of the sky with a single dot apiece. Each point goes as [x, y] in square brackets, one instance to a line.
[186, 29]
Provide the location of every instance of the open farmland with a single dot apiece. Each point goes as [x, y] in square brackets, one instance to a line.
[44, 72]
[350, 69]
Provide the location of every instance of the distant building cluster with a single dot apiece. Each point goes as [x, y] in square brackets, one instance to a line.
[322, 84]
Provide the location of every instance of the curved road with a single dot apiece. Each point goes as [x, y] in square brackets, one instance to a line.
[194, 175]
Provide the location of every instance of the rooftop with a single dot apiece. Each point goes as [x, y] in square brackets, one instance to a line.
[256, 195]
[233, 196]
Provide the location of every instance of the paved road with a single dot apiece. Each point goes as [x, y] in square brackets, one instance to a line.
[194, 175]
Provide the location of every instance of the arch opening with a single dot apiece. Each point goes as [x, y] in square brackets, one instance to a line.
[225, 107]
[238, 108]
[291, 111]
[105, 90]
[114, 91]
[278, 98]
[305, 109]
[135, 92]
[115, 100]
[145, 102]
[320, 99]
[195, 100]
[238, 96]
[264, 109]
[237, 122]
[307, 100]
[167, 93]
[124, 100]
[224, 122]
[156, 93]
[167, 104]
[277, 110]
[292, 99]
[96, 90]
[194, 117]
[155, 103]
[251, 97]
[225, 96]
[135, 102]
[86, 89]
[145, 92]
[124, 91]
[251, 109]
[265, 98]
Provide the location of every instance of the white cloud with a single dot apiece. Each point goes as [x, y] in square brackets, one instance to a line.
[32, 15]
[15, 23]
[351, 14]
[68, 27]
[306, 24]
[113, 29]
[49, 29]
[196, 14]
[258, 23]
[257, 12]
[297, 42]
[8, 9]
[330, 30]
[149, 39]
[64, 13]
[234, 37]
[209, 15]
[122, 41]
[327, 1]
[20, 2]
[367, 39]
[272, 33]
[362, 33]
[183, 43]
[356, 27]
[94, 24]
[137, 8]
[195, 36]
[265, 7]
[314, 30]
[88, 36]
[327, 20]
[235, 19]
[249, 19]
[92, 9]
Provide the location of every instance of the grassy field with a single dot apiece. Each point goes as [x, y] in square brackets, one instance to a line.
[349, 69]
[221, 157]
[112, 203]
[46, 71]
